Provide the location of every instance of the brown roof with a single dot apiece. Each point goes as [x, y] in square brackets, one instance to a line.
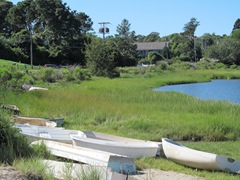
[150, 45]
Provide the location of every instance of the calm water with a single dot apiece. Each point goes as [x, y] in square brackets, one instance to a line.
[226, 90]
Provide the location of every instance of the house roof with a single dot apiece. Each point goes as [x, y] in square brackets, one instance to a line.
[150, 45]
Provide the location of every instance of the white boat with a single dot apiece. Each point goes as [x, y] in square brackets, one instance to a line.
[115, 162]
[34, 133]
[126, 148]
[37, 88]
[103, 136]
[198, 159]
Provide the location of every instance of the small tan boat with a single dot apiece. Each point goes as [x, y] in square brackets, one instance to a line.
[32, 121]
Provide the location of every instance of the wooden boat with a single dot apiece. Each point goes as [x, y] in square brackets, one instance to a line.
[115, 162]
[53, 122]
[34, 133]
[126, 148]
[198, 159]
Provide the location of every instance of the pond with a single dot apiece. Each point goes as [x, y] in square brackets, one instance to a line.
[225, 90]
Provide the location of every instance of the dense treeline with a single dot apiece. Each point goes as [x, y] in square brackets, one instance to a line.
[48, 31]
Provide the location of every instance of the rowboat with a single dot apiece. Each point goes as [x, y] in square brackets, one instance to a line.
[53, 122]
[12, 108]
[103, 136]
[34, 133]
[37, 88]
[126, 148]
[115, 162]
[198, 159]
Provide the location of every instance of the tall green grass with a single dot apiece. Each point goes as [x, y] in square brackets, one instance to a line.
[129, 107]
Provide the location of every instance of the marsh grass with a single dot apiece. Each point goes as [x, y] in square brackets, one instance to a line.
[33, 167]
[129, 107]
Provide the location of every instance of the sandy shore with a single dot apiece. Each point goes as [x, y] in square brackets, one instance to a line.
[59, 168]
[62, 170]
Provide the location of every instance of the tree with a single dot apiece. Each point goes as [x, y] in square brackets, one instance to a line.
[153, 57]
[123, 29]
[152, 37]
[5, 27]
[56, 31]
[236, 25]
[227, 51]
[190, 27]
[236, 34]
[126, 51]
[188, 49]
[100, 57]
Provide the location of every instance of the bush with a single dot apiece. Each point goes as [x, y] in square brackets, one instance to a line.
[12, 144]
[81, 74]
[49, 75]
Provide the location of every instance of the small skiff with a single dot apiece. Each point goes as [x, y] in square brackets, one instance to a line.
[50, 122]
[34, 133]
[198, 159]
[126, 148]
[115, 162]
[103, 136]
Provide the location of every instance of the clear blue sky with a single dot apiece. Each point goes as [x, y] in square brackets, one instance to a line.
[163, 16]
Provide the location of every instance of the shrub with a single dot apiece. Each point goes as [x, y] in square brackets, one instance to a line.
[81, 74]
[49, 75]
[12, 143]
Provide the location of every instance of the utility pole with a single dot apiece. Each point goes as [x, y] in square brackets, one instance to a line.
[31, 49]
[166, 45]
[103, 28]
[195, 51]
[31, 52]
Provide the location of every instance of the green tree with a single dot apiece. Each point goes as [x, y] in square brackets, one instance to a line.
[126, 51]
[152, 37]
[123, 29]
[226, 51]
[188, 49]
[236, 25]
[153, 57]
[5, 27]
[100, 57]
[58, 33]
[236, 34]
[190, 28]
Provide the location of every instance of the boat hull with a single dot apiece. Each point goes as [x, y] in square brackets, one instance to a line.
[198, 159]
[34, 133]
[50, 122]
[130, 149]
[115, 162]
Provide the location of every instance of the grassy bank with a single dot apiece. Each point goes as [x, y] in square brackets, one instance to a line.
[129, 107]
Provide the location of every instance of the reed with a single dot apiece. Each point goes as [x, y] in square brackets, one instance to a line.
[129, 107]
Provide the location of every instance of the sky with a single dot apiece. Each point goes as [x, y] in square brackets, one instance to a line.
[162, 16]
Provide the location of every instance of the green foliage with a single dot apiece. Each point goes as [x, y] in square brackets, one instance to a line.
[153, 57]
[123, 29]
[49, 75]
[236, 34]
[12, 144]
[227, 51]
[81, 74]
[100, 57]
[11, 77]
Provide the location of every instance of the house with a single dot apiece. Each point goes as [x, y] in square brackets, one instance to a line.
[144, 48]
